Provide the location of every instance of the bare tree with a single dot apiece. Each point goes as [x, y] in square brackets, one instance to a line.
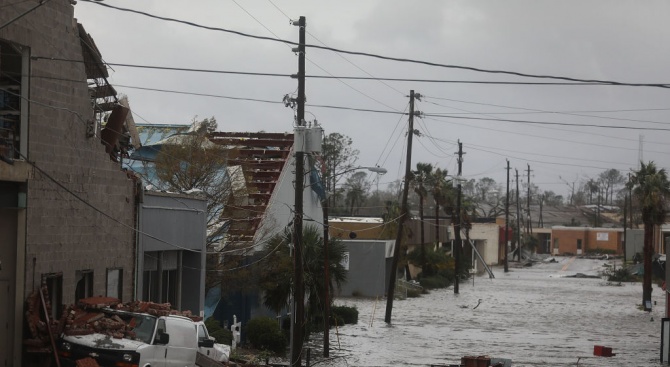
[189, 162]
[339, 156]
[357, 187]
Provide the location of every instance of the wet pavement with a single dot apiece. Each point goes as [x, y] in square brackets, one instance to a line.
[534, 316]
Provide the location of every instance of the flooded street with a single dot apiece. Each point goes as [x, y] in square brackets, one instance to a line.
[533, 316]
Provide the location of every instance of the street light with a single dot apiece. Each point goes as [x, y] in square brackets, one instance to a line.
[326, 288]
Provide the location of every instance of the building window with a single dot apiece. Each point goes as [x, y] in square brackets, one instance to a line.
[170, 261]
[11, 61]
[161, 278]
[54, 284]
[115, 283]
[579, 244]
[150, 277]
[84, 288]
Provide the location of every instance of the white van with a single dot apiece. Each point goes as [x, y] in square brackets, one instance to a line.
[159, 341]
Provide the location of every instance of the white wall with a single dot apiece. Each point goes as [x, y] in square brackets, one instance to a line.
[486, 237]
[279, 212]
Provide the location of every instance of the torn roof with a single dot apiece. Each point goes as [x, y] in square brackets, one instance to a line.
[261, 157]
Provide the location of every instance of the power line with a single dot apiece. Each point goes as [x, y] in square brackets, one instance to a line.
[42, 2]
[539, 154]
[108, 216]
[200, 94]
[498, 118]
[556, 112]
[338, 77]
[166, 67]
[543, 111]
[314, 63]
[388, 141]
[405, 60]
[544, 122]
[590, 144]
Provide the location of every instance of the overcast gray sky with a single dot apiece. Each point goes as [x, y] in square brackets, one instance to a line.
[624, 41]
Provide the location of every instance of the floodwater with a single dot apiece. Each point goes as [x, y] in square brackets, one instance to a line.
[534, 316]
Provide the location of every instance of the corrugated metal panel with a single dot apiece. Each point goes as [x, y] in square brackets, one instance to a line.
[176, 220]
[170, 260]
[150, 262]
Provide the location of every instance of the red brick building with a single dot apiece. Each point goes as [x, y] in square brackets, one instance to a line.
[581, 240]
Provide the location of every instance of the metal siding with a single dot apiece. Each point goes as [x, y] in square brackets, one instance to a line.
[367, 269]
[176, 220]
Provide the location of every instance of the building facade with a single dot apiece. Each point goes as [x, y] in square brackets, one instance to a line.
[581, 240]
[67, 211]
[171, 250]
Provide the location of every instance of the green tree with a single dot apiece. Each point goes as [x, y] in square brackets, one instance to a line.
[276, 273]
[651, 188]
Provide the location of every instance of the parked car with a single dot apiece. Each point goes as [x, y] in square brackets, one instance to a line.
[217, 352]
[157, 341]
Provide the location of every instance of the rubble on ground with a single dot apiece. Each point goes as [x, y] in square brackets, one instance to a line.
[88, 316]
[92, 315]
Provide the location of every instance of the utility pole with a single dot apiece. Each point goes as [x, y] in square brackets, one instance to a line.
[457, 226]
[507, 218]
[298, 271]
[529, 226]
[572, 194]
[625, 210]
[390, 292]
[518, 217]
[540, 220]
[326, 288]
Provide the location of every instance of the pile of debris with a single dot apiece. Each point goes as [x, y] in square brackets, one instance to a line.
[88, 316]
[92, 315]
[39, 325]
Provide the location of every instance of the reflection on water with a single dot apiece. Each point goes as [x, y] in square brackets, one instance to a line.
[532, 316]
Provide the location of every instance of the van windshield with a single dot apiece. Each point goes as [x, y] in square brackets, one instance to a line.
[143, 327]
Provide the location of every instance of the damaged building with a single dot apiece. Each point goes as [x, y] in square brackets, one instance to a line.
[67, 209]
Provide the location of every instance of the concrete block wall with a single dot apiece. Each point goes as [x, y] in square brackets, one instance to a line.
[64, 234]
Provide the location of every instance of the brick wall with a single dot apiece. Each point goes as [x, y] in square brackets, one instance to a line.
[606, 240]
[64, 234]
[567, 239]
[592, 239]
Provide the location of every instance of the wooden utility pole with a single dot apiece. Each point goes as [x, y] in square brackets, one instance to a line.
[298, 271]
[529, 227]
[598, 209]
[326, 288]
[518, 218]
[457, 225]
[507, 219]
[625, 212]
[390, 292]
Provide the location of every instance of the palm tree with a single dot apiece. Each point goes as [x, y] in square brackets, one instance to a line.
[591, 187]
[421, 176]
[277, 270]
[440, 191]
[651, 188]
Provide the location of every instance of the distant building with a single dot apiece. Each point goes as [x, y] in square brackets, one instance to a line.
[582, 240]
